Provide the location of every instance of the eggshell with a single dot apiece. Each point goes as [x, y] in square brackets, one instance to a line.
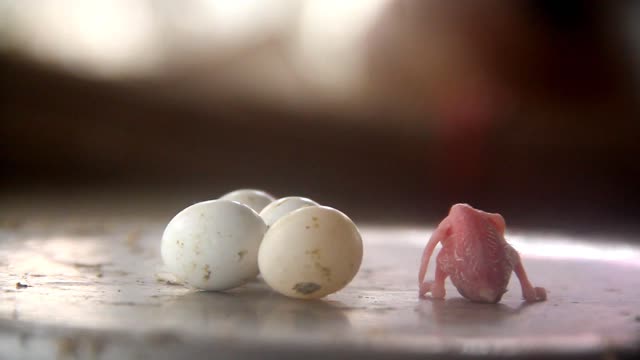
[310, 253]
[277, 209]
[213, 245]
[255, 199]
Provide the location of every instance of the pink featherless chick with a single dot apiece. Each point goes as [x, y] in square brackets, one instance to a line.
[476, 257]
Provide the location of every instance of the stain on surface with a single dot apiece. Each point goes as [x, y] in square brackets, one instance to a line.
[241, 254]
[24, 339]
[97, 346]
[67, 348]
[87, 229]
[207, 272]
[163, 338]
[306, 288]
[80, 265]
[133, 241]
[10, 224]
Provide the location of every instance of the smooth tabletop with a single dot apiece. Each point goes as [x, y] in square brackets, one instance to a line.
[94, 287]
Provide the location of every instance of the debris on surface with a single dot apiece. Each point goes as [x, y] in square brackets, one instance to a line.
[168, 278]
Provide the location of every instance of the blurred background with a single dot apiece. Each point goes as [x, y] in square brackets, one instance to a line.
[390, 110]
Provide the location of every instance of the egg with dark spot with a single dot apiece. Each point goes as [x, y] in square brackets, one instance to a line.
[310, 253]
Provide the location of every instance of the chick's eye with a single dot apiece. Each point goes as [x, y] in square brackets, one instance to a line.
[449, 232]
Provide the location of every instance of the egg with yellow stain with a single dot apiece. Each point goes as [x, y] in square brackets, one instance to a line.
[310, 253]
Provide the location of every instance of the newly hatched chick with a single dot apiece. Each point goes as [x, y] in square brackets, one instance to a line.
[476, 257]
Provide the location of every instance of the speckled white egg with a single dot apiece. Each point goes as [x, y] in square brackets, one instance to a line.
[255, 199]
[213, 245]
[282, 207]
[310, 253]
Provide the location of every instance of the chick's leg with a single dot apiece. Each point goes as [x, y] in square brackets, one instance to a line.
[436, 287]
[437, 236]
[529, 293]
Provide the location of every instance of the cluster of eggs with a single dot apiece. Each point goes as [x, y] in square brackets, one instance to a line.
[301, 249]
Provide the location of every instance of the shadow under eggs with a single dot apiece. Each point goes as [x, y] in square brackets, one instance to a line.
[256, 309]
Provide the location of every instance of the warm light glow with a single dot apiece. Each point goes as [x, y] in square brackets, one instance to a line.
[331, 40]
[528, 244]
[103, 37]
[123, 37]
[563, 247]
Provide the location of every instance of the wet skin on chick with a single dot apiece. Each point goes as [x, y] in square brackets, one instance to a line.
[476, 257]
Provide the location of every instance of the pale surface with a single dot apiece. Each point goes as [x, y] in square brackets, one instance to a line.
[94, 292]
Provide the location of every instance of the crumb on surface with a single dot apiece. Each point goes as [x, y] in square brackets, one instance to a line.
[167, 278]
[21, 285]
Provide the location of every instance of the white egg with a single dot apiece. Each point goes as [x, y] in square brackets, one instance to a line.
[213, 245]
[282, 207]
[310, 253]
[255, 199]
